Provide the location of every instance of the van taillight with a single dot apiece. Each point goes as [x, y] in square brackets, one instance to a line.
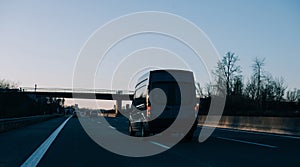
[148, 111]
[196, 108]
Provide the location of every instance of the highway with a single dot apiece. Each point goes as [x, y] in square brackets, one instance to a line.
[73, 147]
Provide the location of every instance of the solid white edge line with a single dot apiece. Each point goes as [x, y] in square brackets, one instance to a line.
[35, 157]
[161, 145]
[247, 142]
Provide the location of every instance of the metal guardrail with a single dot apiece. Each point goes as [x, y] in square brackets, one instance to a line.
[13, 123]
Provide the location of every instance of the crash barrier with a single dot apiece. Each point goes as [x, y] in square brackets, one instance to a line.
[279, 125]
[13, 123]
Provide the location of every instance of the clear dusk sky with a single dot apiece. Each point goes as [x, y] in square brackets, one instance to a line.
[40, 40]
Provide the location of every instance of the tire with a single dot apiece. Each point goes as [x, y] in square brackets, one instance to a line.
[144, 133]
[189, 136]
[131, 132]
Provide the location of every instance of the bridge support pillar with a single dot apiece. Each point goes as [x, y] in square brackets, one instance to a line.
[118, 106]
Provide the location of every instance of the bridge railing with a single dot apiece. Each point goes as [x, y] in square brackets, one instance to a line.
[76, 90]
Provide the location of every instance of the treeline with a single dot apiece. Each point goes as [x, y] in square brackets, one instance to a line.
[14, 104]
[261, 94]
[6, 84]
[242, 106]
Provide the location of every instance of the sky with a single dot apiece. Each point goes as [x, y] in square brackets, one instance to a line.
[41, 40]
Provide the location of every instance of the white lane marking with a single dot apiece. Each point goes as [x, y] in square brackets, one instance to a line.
[161, 145]
[260, 133]
[112, 127]
[34, 159]
[247, 142]
[99, 122]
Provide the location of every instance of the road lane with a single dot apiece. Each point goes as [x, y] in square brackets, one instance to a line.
[35, 157]
[286, 145]
[73, 147]
[17, 145]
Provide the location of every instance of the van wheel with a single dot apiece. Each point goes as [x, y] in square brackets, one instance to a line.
[131, 132]
[188, 137]
[144, 133]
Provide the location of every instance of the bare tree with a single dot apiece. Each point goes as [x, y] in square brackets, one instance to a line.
[279, 88]
[293, 95]
[257, 73]
[226, 71]
[250, 90]
[273, 88]
[238, 85]
[199, 90]
[267, 89]
[262, 85]
[208, 89]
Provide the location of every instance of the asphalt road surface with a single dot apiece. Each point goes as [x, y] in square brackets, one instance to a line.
[63, 142]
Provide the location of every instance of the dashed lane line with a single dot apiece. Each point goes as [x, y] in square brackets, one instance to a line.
[112, 127]
[260, 133]
[161, 145]
[247, 142]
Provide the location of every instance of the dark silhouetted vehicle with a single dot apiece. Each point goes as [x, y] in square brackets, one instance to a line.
[158, 96]
[75, 114]
[93, 113]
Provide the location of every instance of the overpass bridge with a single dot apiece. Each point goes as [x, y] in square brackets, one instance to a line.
[80, 93]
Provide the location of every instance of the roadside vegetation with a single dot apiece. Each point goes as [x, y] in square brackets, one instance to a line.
[13, 104]
[262, 94]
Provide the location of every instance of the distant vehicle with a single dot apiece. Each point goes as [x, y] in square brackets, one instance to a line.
[75, 114]
[69, 110]
[93, 113]
[145, 116]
